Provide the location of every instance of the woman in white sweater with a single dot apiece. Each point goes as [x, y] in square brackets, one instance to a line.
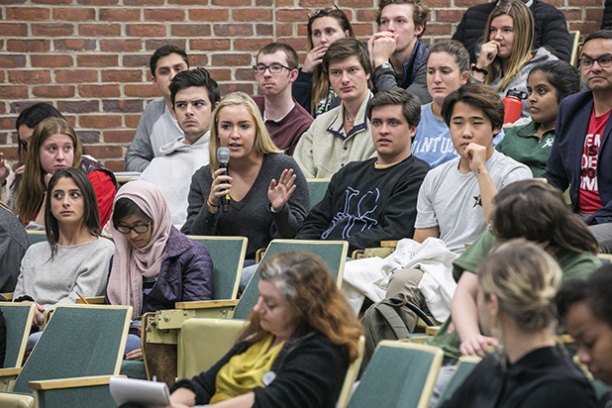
[75, 259]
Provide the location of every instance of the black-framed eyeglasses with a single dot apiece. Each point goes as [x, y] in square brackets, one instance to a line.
[604, 61]
[275, 68]
[139, 229]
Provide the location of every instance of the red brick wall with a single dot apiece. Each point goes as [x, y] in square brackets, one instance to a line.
[89, 57]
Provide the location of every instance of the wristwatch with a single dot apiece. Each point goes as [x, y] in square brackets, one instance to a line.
[385, 65]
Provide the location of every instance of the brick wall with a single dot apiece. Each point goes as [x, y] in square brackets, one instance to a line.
[89, 57]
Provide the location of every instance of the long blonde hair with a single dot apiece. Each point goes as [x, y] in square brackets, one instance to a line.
[263, 141]
[32, 188]
[523, 28]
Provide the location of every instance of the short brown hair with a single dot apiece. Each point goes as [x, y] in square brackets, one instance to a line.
[410, 103]
[345, 48]
[291, 55]
[420, 12]
[478, 95]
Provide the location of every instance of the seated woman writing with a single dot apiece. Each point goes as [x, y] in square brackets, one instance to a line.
[154, 265]
[301, 337]
[517, 284]
[75, 259]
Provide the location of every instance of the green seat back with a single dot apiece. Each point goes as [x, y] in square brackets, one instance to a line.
[317, 189]
[400, 374]
[78, 341]
[333, 254]
[36, 236]
[461, 373]
[18, 317]
[227, 254]
[133, 369]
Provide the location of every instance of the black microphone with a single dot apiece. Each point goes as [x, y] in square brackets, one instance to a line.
[223, 156]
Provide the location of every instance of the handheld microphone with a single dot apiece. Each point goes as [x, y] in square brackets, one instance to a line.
[223, 156]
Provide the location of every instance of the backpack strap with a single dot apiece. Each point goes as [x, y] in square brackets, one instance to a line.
[387, 310]
[402, 300]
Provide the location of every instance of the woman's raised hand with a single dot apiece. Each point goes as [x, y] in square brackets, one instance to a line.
[314, 58]
[5, 170]
[20, 169]
[220, 186]
[279, 193]
[488, 52]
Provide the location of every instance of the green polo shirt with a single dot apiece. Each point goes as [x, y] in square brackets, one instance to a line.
[523, 145]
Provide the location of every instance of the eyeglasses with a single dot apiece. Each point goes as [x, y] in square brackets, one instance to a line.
[139, 229]
[260, 69]
[604, 61]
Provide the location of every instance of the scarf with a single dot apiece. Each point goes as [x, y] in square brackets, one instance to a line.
[131, 264]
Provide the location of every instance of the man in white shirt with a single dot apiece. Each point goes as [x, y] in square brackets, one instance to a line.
[455, 200]
[194, 95]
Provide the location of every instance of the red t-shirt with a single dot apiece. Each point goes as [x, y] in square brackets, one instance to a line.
[588, 193]
[105, 193]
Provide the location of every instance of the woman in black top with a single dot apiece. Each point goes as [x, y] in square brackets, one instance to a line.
[517, 284]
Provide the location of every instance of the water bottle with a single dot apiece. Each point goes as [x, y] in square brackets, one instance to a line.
[513, 105]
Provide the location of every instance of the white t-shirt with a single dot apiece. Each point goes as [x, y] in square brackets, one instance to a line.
[451, 200]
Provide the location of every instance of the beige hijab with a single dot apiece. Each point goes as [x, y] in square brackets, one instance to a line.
[131, 264]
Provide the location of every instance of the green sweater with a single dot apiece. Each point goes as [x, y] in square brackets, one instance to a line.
[572, 265]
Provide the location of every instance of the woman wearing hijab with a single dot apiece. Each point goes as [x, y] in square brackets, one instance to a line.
[154, 265]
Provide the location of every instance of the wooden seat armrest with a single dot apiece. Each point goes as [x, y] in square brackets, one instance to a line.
[357, 254]
[259, 255]
[432, 330]
[388, 244]
[10, 372]
[94, 300]
[7, 295]
[71, 382]
[206, 304]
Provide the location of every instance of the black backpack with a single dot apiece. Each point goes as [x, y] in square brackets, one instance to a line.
[393, 318]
